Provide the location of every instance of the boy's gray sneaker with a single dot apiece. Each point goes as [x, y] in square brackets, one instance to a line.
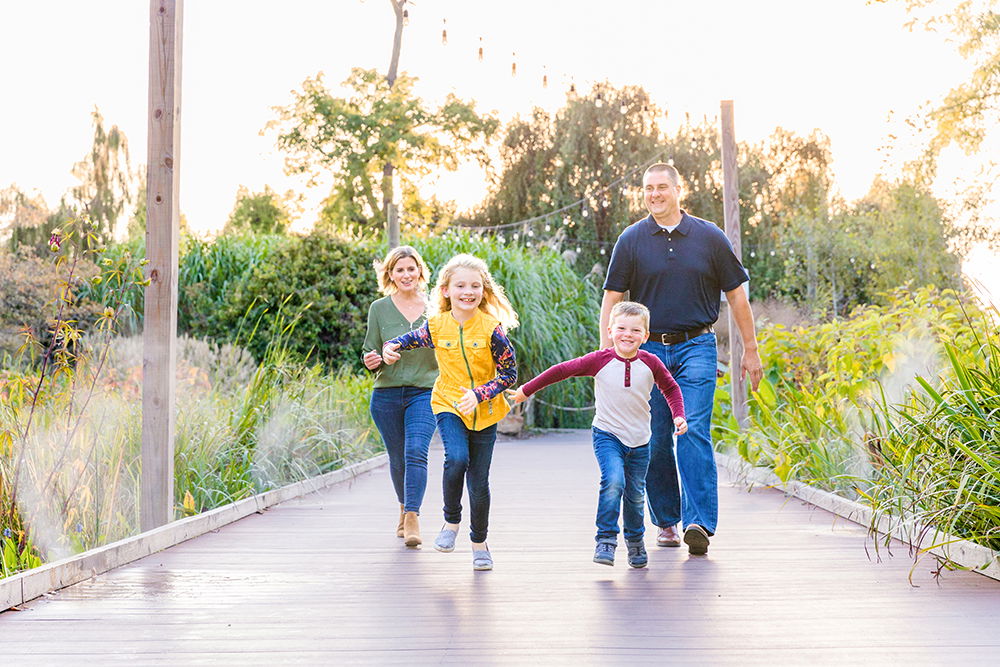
[604, 553]
[482, 560]
[637, 554]
[445, 541]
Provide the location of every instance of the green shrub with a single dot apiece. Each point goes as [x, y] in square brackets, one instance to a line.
[327, 282]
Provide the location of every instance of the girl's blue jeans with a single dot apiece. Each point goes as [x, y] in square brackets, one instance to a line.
[623, 481]
[404, 419]
[467, 457]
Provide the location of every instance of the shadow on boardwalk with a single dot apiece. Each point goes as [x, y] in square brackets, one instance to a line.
[324, 580]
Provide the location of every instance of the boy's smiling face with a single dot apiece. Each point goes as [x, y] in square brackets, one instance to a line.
[628, 332]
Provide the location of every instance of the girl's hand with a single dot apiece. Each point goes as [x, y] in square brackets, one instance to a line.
[389, 353]
[468, 402]
[516, 396]
[372, 360]
[680, 425]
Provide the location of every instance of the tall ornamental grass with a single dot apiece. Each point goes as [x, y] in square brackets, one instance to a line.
[559, 314]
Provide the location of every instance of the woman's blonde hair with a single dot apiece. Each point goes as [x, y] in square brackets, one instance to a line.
[383, 269]
[494, 301]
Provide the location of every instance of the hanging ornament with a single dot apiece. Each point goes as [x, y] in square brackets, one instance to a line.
[480, 49]
[566, 221]
[444, 32]
[572, 88]
[548, 227]
[599, 102]
[545, 76]
[406, 17]
[645, 108]
[623, 109]
[513, 64]
[585, 212]
[602, 251]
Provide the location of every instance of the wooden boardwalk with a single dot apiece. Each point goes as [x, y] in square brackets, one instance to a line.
[324, 580]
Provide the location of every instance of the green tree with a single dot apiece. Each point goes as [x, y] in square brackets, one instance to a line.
[972, 108]
[106, 179]
[259, 212]
[352, 138]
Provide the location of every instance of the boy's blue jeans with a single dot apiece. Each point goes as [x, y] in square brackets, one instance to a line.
[404, 420]
[623, 481]
[467, 457]
[696, 499]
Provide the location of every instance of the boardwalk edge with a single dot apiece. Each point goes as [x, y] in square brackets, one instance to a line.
[26, 586]
[963, 553]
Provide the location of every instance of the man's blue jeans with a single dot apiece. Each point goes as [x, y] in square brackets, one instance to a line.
[693, 364]
[404, 420]
[623, 474]
[467, 457]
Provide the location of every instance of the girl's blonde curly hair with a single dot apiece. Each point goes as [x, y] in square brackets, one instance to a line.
[494, 301]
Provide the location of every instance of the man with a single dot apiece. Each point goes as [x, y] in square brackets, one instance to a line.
[677, 266]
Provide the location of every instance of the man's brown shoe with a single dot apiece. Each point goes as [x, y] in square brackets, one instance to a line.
[668, 537]
[411, 530]
[696, 538]
[399, 527]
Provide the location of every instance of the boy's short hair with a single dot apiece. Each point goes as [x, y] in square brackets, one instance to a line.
[630, 309]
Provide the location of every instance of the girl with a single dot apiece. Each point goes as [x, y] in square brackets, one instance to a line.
[475, 365]
[401, 401]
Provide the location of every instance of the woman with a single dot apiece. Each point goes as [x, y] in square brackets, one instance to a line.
[401, 401]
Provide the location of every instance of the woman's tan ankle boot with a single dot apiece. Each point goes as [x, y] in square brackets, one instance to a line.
[411, 530]
[399, 528]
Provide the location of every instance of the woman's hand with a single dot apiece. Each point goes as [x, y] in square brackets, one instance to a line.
[468, 402]
[389, 353]
[372, 360]
[516, 396]
[680, 425]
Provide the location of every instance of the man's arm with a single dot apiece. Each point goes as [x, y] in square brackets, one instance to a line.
[607, 303]
[750, 363]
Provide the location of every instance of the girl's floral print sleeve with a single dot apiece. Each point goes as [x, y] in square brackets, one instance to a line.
[412, 340]
[503, 357]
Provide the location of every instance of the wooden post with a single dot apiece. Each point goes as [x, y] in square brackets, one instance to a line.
[162, 229]
[731, 220]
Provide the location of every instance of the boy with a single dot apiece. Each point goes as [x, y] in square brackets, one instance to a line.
[623, 376]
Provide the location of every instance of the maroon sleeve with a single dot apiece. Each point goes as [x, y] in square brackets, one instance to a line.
[665, 381]
[587, 365]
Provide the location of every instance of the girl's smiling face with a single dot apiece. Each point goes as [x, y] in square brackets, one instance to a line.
[465, 291]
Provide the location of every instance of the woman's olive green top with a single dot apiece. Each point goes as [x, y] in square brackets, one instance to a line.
[415, 368]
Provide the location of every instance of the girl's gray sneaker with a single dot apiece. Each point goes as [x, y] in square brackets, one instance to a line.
[445, 541]
[482, 560]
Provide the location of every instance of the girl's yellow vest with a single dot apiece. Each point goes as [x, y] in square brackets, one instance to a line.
[465, 361]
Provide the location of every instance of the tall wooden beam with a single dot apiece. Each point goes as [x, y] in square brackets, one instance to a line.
[162, 230]
[731, 219]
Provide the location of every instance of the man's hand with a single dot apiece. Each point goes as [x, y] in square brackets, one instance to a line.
[372, 360]
[468, 402]
[752, 367]
[389, 353]
[516, 396]
[680, 425]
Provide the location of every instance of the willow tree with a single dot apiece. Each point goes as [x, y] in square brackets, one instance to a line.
[106, 179]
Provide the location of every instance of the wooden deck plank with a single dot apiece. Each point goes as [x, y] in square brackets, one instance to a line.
[324, 579]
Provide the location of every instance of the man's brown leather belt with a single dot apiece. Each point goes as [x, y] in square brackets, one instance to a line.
[674, 338]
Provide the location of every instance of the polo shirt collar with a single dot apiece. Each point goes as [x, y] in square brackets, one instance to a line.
[683, 227]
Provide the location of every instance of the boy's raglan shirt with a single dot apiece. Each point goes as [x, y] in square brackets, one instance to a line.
[621, 390]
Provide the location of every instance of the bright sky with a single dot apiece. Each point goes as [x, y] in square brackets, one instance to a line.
[839, 66]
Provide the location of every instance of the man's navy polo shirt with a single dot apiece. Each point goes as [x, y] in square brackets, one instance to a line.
[677, 275]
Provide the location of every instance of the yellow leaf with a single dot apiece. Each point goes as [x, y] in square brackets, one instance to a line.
[889, 359]
[189, 502]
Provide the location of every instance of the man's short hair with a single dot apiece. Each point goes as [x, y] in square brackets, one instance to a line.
[675, 175]
[630, 309]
